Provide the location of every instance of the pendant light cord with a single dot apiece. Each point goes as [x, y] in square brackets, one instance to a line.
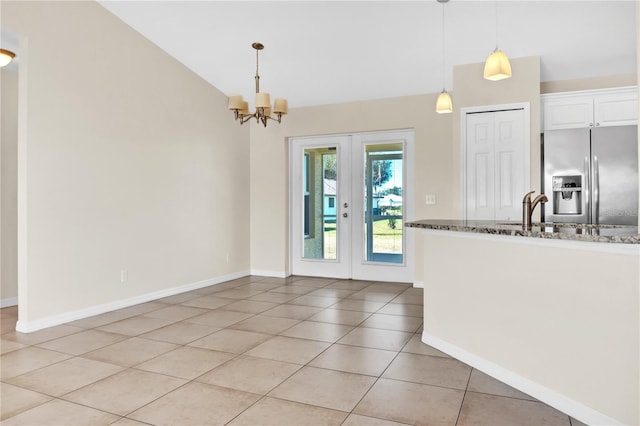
[443, 64]
[496, 13]
[257, 51]
[257, 74]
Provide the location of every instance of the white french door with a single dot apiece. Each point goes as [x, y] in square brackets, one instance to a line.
[349, 201]
[320, 198]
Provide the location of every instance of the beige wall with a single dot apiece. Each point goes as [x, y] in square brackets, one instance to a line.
[8, 191]
[131, 162]
[269, 165]
[561, 323]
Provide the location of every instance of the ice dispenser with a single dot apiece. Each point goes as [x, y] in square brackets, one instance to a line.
[567, 194]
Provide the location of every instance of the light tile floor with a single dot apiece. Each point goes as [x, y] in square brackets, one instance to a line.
[254, 351]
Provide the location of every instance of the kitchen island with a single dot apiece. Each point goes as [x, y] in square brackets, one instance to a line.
[552, 310]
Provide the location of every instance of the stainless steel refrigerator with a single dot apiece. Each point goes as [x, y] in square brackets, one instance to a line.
[591, 175]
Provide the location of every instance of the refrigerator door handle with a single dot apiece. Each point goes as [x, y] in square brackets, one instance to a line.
[596, 191]
[587, 188]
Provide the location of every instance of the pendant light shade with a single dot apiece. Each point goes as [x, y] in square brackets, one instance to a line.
[6, 56]
[444, 104]
[497, 66]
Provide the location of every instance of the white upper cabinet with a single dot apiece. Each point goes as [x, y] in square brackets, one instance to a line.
[593, 108]
[568, 113]
[616, 109]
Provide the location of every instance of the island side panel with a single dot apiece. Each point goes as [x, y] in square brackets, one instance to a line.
[565, 321]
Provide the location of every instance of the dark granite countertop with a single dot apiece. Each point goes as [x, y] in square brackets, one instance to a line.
[558, 231]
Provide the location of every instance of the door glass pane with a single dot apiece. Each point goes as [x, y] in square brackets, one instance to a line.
[383, 219]
[320, 174]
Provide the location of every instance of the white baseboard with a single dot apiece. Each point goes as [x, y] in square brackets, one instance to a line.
[273, 274]
[9, 301]
[31, 326]
[550, 397]
[418, 284]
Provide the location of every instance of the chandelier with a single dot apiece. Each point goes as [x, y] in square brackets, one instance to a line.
[263, 111]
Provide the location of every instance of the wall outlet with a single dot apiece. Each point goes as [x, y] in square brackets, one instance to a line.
[430, 199]
[123, 275]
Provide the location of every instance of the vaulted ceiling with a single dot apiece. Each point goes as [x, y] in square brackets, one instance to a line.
[322, 52]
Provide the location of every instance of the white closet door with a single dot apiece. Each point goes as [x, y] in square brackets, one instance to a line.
[480, 182]
[496, 167]
[509, 164]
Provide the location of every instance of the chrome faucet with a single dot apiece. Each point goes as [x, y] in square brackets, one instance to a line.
[528, 206]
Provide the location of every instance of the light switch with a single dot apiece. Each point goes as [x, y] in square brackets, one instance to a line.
[430, 199]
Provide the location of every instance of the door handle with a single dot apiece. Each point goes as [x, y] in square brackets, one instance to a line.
[587, 189]
[596, 191]
[345, 214]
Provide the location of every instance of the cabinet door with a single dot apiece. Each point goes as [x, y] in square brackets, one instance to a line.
[597, 108]
[616, 110]
[568, 113]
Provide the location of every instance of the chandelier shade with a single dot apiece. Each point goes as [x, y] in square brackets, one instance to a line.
[6, 56]
[497, 67]
[280, 106]
[235, 102]
[263, 111]
[245, 108]
[263, 100]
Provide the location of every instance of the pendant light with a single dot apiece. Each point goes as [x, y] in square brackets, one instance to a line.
[497, 66]
[444, 105]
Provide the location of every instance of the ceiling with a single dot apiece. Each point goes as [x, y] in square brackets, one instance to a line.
[323, 52]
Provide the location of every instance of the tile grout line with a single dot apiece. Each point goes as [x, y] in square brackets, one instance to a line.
[376, 381]
[307, 364]
[182, 345]
[195, 380]
[188, 381]
[464, 396]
